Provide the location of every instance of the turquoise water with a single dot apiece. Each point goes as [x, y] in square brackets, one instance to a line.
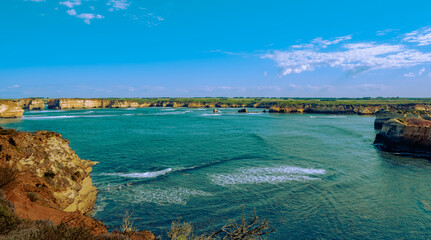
[312, 176]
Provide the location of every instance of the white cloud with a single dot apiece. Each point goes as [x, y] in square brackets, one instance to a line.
[371, 87]
[35, 0]
[355, 57]
[89, 16]
[71, 4]
[71, 12]
[14, 86]
[312, 87]
[410, 74]
[324, 43]
[421, 36]
[385, 32]
[118, 5]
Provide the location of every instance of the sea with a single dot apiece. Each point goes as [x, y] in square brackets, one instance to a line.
[312, 176]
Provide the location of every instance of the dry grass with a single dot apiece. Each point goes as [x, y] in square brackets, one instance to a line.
[7, 175]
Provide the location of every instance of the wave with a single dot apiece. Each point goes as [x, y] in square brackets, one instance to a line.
[153, 194]
[271, 175]
[140, 175]
[130, 109]
[31, 117]
[210, 114]
[169, 113]
[168, 109]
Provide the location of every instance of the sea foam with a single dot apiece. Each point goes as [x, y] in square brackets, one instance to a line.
[272, 175]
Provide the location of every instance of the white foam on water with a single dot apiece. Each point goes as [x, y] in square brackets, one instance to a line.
[140, 175]
[272, 175]
[168, 109]
[165, 196]
[168, 113]
[47, 117]
[45, 111]
[31, 117]
[130, 108]
[210, 114]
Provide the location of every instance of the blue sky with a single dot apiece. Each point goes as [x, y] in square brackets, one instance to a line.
[137, 48]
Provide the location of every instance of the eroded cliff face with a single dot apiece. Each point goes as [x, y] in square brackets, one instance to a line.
[10, 109]
[31, 104]
[49, 168]
[404, 131]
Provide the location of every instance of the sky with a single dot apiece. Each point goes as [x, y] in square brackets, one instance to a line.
[215, 48]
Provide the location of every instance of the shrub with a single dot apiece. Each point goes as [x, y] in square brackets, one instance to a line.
[180, 230]
[7, 175]
[8, 220]
[232, 230]
[33, 196]
[127, 227]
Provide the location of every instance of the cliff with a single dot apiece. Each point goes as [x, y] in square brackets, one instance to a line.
[284, 106]
[53, 182]
[31, 104]
[10, 109]
[346, 108]
[404, 132]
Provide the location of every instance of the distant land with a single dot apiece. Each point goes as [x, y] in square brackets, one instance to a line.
[361, 106]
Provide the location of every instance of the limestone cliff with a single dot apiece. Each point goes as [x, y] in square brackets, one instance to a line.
[49, 168]
[31, 104]
[10, 109]
[405, 132]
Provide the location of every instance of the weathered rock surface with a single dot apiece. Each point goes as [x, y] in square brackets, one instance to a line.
[31, 104]
[405, 132]
[243, 110]
[10, 109]
[49, 168]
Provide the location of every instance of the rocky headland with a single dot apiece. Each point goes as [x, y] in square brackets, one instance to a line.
[407, 132]
[10, 109]
[52, 181]
[46, 189]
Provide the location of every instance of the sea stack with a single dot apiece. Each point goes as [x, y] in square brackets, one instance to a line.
[243, 110]
[215, 110]
[404, 132]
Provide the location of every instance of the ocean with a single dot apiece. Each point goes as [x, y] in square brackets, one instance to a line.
[313, 176]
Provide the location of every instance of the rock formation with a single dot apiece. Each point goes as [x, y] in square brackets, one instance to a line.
[404, 132]
[31, 104]
[215, 110]
[51, 170]
[10, 109]
[243, 110]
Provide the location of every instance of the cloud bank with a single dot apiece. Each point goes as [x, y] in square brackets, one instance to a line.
[355, 57]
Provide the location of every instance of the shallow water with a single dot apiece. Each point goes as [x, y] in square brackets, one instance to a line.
[312, 176]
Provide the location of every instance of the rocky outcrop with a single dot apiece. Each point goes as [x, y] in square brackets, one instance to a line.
[10, 109]
[215, 110]
[51, 170]
[404, 131]
[243, 110]
[31, 104]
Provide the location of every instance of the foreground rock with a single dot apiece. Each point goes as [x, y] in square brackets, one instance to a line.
[10, 109]
[405, 132]
[53, 182]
